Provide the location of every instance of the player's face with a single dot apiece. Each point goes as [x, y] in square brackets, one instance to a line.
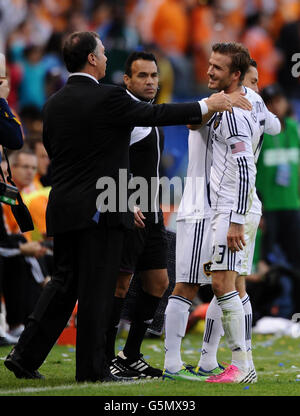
[251, 79]
[144, 79]
[220, 77]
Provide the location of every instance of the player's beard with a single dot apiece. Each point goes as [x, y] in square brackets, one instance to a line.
[221, 84]
[224, 85]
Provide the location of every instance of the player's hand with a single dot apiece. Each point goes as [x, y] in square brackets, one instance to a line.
[238, 100]
[219, 102]
[4, 88]
[138, 218]
[236, 237]
[33, 248]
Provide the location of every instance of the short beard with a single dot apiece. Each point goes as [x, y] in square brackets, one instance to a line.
[224, 86]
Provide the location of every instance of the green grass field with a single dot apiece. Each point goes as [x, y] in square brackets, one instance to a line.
[277, 363]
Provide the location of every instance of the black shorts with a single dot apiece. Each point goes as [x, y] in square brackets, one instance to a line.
[145, 248]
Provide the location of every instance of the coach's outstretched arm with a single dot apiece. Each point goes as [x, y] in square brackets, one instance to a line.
[120, 106]
[236, 99]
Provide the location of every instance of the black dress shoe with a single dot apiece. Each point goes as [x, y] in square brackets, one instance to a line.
[14, 363]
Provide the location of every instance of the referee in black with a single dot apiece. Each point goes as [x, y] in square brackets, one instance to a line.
[145, 249]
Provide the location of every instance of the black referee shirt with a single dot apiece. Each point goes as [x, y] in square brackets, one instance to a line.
[146, 148]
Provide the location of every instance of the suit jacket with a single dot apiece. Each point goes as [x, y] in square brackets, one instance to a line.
[86, 132]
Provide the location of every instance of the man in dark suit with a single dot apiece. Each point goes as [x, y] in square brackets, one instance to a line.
[87, 129]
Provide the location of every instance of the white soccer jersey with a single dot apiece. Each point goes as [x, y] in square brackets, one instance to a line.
[269, 124]
[237, 140]
[195, 202]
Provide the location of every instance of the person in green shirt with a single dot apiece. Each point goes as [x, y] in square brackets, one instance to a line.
[277, 183]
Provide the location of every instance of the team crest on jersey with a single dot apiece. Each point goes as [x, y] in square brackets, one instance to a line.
[206, 268]
[217, 120]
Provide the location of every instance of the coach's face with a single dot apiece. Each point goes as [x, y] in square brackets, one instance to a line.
[100, 59]
[144, 79]
[220, 77]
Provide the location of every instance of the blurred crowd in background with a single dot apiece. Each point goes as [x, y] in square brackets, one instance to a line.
[180, 33]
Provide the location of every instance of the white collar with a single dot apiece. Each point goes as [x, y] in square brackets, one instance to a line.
[132, 96]
[137, 99]
[84, 74]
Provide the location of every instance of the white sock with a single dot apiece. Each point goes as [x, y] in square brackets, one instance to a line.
[248, 328]
[234, 327]
[212, 335]
[176, 318]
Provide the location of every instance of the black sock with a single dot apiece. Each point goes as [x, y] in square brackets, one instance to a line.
[146, 306]
[112, 331]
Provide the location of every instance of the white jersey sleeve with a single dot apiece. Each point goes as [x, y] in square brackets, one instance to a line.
[238, 137]
[272, 123]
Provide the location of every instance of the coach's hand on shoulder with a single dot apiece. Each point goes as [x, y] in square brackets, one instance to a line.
[236, 237]
[219, 102]
[138, 218]
[238, 100]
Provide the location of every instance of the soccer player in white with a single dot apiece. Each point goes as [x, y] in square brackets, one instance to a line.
[193, 251]
[237, 139]
[213, 325]
[193, 246]
[200, 255]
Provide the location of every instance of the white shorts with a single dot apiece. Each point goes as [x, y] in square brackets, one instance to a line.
[251, 226]
[225, 259]
[193, 251]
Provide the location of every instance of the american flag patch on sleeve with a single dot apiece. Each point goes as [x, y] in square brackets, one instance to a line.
[237, 147]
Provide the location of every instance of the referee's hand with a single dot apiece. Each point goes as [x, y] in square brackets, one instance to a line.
[138, 218]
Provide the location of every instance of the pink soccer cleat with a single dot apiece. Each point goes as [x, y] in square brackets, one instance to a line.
[231, 374]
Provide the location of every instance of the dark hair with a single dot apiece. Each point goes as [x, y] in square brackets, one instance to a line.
[134, 56]
[240, 57]
[76, 49]
[253, 63]
[32, 142]
[31, 112]
[270, 92]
